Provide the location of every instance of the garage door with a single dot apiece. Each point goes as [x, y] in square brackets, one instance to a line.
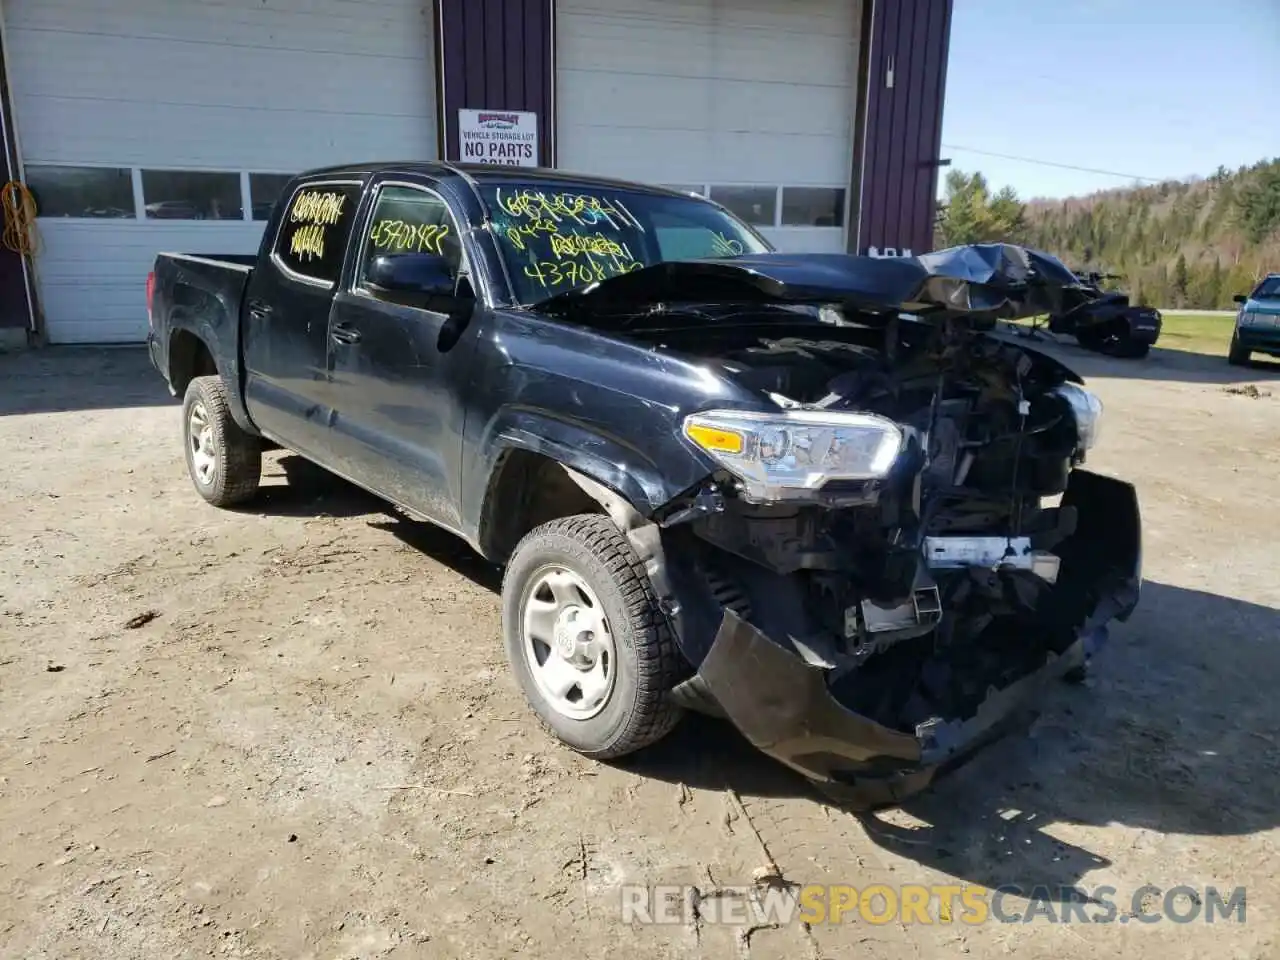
[151, 125]
[752, 101]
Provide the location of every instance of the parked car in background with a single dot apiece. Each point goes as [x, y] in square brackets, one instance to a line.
[1257, 323]
[820, 495]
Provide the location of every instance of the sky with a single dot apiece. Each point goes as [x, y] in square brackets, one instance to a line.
[1160, 89]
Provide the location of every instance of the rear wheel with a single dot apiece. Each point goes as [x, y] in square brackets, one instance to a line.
[1237, 355]
[224, 462]
[589, 647]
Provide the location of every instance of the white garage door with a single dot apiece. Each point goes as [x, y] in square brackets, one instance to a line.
[151, 125]
[752, 100]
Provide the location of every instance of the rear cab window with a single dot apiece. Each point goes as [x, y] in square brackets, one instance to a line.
[312, 239]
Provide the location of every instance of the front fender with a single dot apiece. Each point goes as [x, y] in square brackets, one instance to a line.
[633, 473]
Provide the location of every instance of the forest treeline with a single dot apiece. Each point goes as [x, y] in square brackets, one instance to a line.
[1178, 244]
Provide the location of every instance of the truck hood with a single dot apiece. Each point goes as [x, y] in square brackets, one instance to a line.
[995, 280]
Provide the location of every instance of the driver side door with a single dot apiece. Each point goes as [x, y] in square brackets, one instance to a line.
[398, 371]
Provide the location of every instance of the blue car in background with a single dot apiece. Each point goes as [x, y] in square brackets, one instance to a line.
[1257, 323]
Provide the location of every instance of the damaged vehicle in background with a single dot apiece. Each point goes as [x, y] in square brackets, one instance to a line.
[819, 495]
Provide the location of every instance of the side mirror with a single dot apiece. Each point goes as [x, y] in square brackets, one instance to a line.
[1240, 298]
[424, 274]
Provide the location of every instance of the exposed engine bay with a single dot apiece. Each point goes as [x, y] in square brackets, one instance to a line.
[920, 593]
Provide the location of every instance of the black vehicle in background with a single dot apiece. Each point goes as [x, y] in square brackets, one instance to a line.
[819, 495]
[1107, 322]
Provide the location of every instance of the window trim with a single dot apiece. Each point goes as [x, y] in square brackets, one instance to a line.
[357, 285]
[278, 261]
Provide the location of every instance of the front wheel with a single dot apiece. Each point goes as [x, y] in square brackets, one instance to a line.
[590, 649]
[1237, 355]
[224, 462]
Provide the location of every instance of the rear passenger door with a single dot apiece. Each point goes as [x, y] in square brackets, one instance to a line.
[286, 315]
[398, 371]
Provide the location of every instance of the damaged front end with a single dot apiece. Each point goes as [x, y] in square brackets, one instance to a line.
[872, 695]
[887, 566]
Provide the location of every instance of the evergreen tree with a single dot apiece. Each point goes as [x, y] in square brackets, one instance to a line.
[1180, 280]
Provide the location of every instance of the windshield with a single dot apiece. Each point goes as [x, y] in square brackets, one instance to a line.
[1268, 289]
[556, 237]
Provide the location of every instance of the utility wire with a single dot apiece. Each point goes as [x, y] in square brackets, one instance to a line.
[1051, 163]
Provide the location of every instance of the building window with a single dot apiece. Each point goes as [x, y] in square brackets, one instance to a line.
[191, 195]
[264, 190]
[313, 234]
[812, 207]
[81, 191]
[757, 206]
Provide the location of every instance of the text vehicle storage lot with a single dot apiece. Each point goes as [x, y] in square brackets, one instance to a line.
[314, 748]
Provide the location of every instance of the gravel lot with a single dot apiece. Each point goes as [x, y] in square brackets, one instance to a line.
[290, 732]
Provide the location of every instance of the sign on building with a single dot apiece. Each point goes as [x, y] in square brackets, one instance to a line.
[498, 136]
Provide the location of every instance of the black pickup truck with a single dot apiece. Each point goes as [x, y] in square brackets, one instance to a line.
[823, 496]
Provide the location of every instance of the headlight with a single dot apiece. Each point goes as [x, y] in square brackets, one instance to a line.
[1086, 408]
[789, 454]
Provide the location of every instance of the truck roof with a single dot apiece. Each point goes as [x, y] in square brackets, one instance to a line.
[486, 173]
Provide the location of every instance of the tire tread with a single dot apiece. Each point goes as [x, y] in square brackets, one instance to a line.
[660, 662]
[240, 453]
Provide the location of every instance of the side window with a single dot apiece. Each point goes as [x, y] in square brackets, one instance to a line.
[681, 238]
[411, 220]
[313, 234]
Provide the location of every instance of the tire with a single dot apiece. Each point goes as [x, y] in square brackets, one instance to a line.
[1089, 340]
[1129, 349]
[1237, 356]
[232, 474]
[645, 660]
[1076, 675]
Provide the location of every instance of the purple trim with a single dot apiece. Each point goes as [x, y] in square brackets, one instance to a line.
[903, 131]
[497, 54]
[17, 291]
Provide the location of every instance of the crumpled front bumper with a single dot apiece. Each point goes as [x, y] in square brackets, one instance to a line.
[784, 706]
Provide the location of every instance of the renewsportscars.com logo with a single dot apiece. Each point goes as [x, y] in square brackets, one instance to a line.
[968, 904]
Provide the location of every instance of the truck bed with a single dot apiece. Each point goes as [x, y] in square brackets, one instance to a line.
[200, 295]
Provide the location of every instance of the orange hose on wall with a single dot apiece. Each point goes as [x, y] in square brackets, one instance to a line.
[19, 219]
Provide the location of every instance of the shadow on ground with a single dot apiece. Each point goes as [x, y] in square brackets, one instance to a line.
[293, 486]
[61, 379]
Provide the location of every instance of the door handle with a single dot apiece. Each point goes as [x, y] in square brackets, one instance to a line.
[259, 310]
[343, 334]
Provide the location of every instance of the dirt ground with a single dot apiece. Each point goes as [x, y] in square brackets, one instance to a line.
[290, 732]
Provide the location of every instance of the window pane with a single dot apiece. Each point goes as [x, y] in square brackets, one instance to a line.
[691, 238]
[411, 221]
[812, 207]
[81, 191]
[758, 206]
[187, 195]
[313, 235]
[264, 190]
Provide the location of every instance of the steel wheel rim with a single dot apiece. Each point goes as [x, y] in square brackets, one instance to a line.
[568, 644]
[204, 456]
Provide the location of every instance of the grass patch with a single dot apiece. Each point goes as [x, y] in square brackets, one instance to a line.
[1196, 334]
[1189, 332]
